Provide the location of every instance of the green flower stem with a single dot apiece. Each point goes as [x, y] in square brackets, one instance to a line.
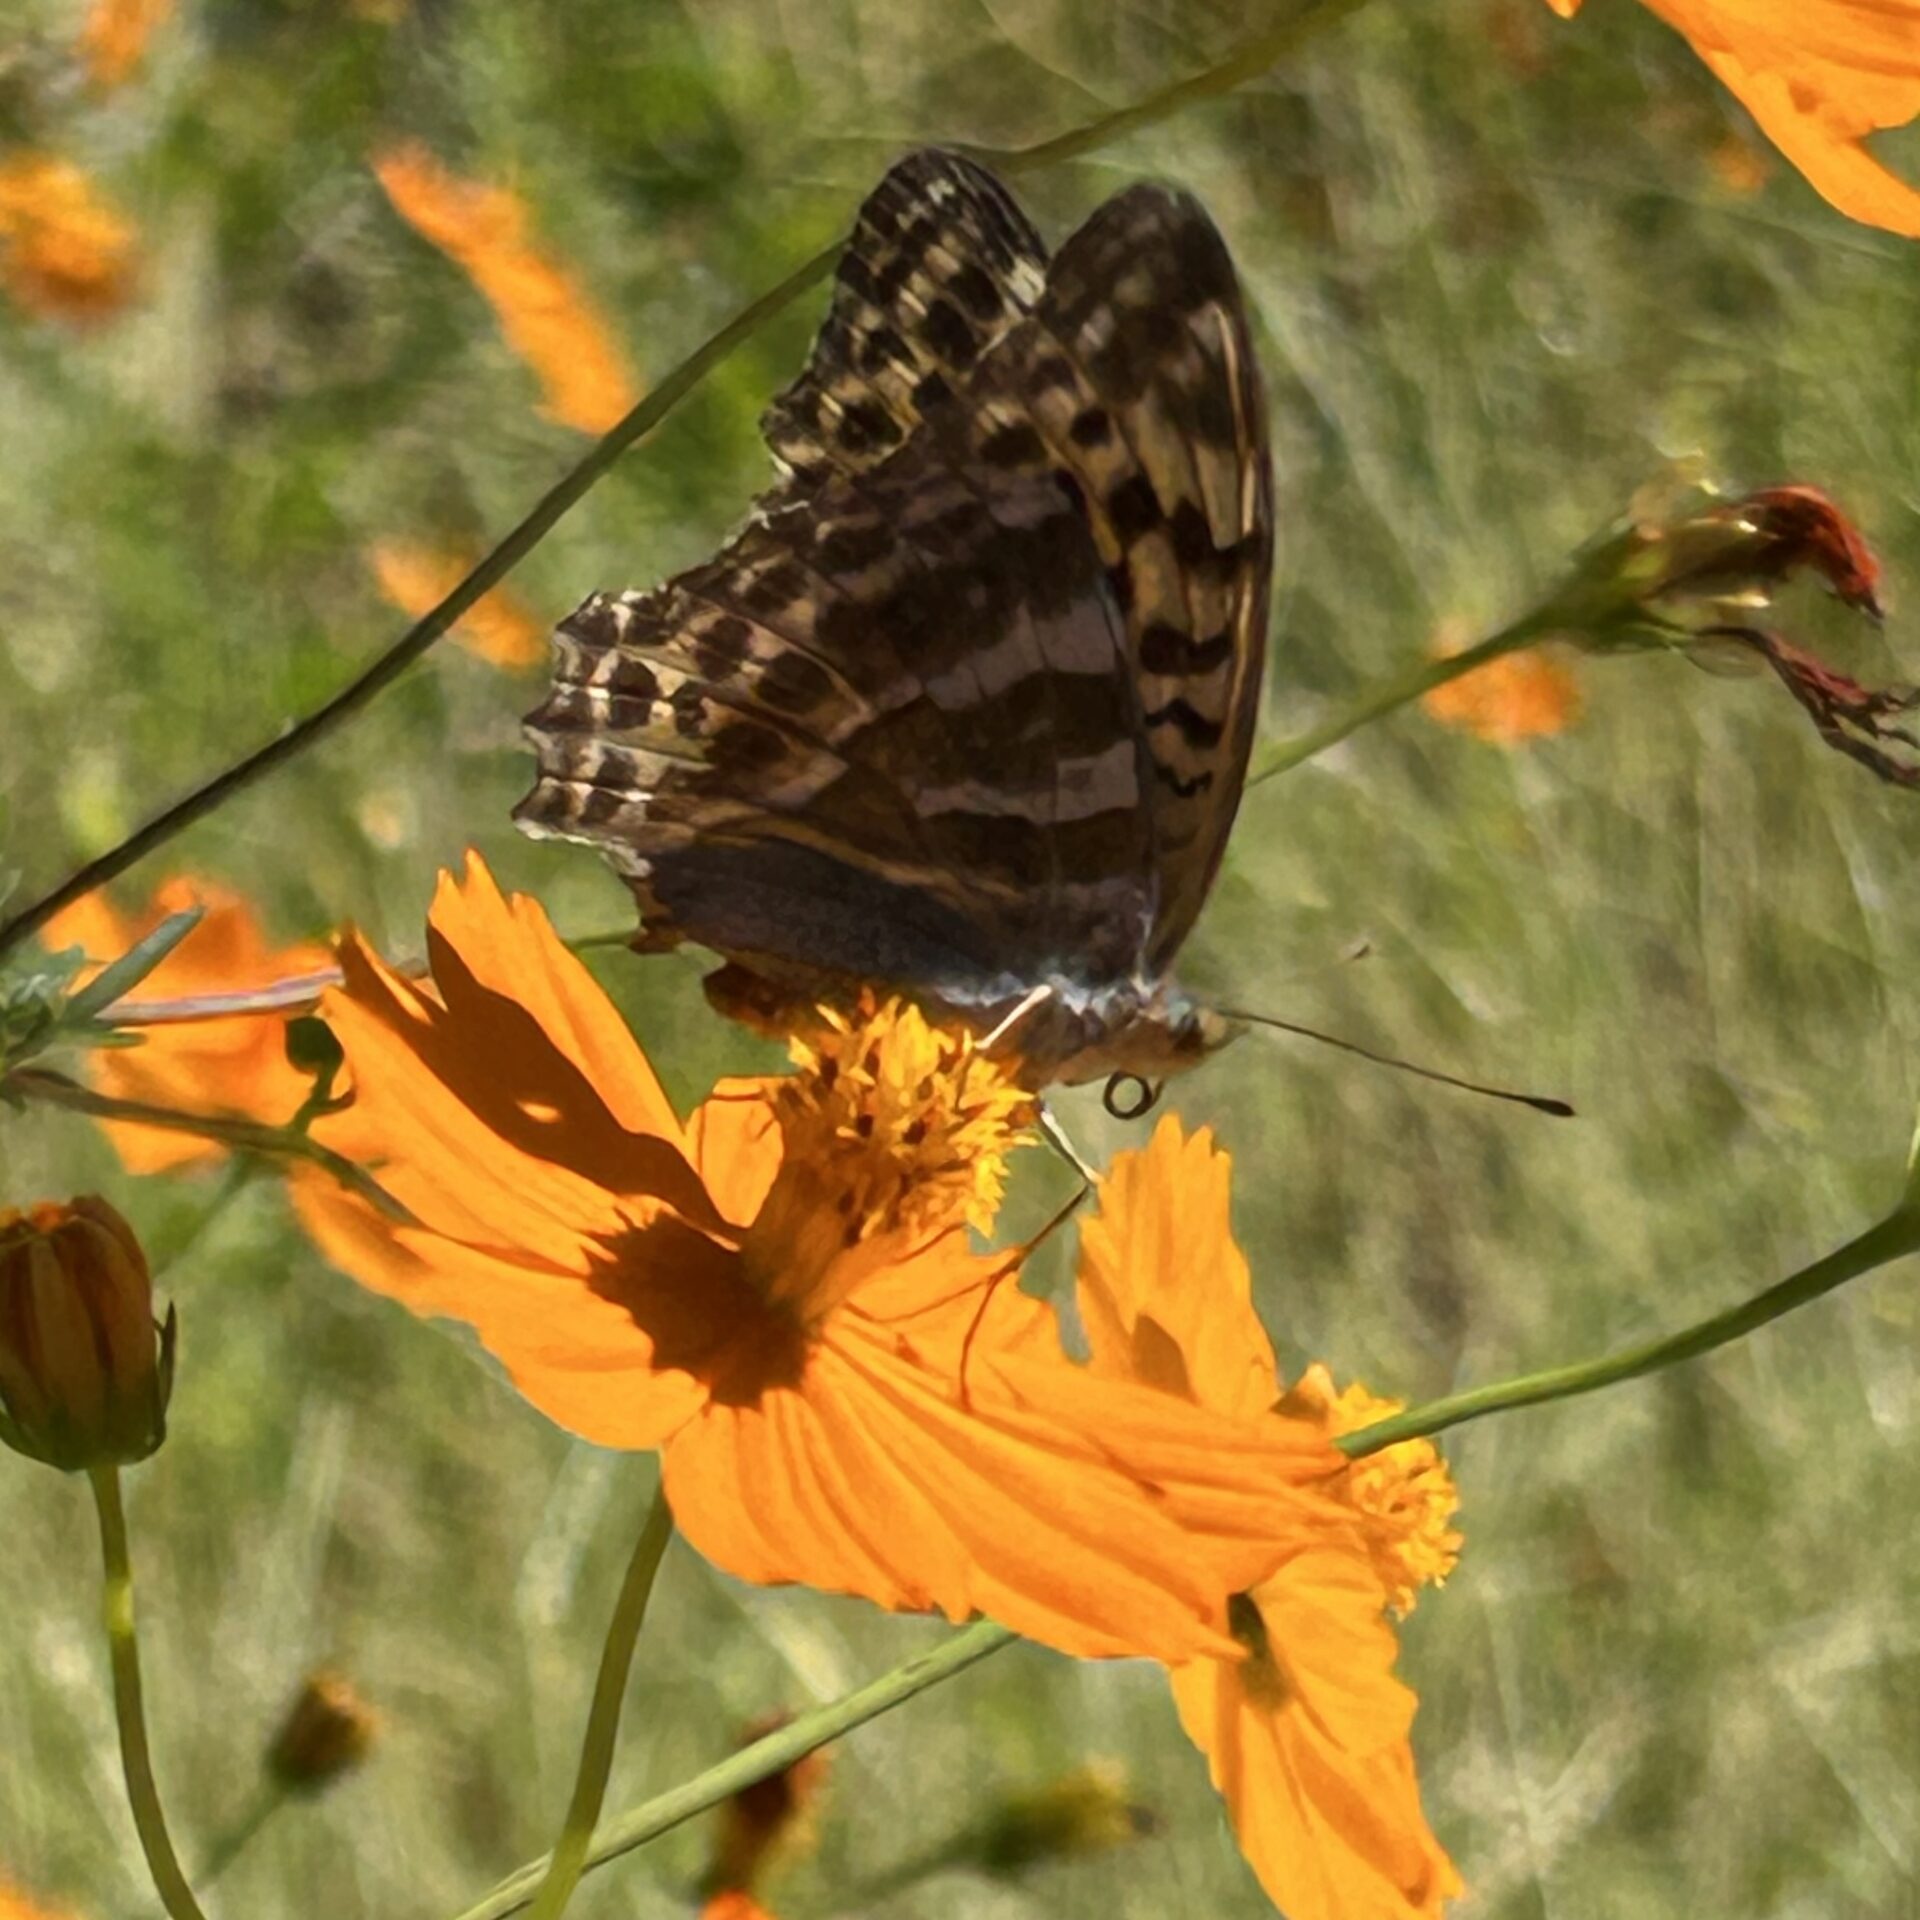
[573, 486]
[266, 1802]
[569, 1856]
[245, 1136]
[780, 1749]
[124, 1652]
[1260, 53]
[1420, 678]
[1891, 1239]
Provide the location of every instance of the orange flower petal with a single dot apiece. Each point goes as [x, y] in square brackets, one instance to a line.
[546, 317]
[1818, 76]
[1520, 696]
[115, 36]
[65, 254]
[573, 1353]
[496, 627]
[233, 1065]
[1165, 1295]
[1029, 1502]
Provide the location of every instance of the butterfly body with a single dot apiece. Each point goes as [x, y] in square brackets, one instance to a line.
[963, 712]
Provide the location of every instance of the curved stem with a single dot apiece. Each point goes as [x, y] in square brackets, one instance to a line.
[246, 1136]
[780, 1749]
[568, 1859]
[1890, 1239]
[123, 1650]
[1420, 678]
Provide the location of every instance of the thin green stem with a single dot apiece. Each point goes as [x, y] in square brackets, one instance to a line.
[764, 1758]
[123, 1650]
[246, 1136]
[568, 1859]
[267, 1801]
[1890, 1239]
[1420, 678]
[1252, 60]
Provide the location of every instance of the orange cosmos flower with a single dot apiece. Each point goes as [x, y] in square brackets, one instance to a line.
[64, 253]
[115, 36]
[1307, 1736]
[547, 318]
[780, 1294]
[234, 1064]
[1818, 76]
[1520, 696]
[496, 627]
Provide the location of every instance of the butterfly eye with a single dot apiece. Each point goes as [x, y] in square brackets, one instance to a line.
[1128, 1097]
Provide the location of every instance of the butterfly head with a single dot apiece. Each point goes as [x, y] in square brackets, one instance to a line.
[1144, 1029]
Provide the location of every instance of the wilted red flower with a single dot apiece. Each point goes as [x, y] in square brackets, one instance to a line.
[232, 1064]
[780, 1295]
[1307, 1735]
[85, 1372]
[547, 318]
[1819, 76]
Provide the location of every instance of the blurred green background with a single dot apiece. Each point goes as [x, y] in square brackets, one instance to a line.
[1505, 270]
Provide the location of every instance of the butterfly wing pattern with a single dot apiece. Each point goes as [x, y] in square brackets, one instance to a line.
[965, 708]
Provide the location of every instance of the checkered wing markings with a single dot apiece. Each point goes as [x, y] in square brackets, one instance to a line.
[940, 263]
[1135, 378]
[907, 697]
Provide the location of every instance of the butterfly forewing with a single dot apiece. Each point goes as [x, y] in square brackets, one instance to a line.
[967, 705]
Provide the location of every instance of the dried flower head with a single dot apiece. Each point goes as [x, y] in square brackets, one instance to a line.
[329, 1730]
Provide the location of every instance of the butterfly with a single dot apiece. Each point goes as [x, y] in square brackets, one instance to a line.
[963, 712]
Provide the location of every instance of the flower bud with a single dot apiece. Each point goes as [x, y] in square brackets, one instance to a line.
[328, 1731]
[85, 1373]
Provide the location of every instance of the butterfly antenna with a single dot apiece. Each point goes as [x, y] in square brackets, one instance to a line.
[1539, 1102]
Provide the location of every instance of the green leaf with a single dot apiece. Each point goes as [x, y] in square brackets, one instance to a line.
[133, 966]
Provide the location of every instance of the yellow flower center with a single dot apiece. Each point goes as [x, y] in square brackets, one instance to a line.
[914, 1123]
[891, 1127]
[1404, 1494]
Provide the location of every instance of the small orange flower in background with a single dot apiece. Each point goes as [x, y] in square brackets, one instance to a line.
[780, 1294]
[764, 1827]
[14, 1905]
[233, 1064]
[547, 319]
[65, 254]
[1307, 1736]
[496, 627]
[1818, 76]
[1520, 696]
[115, 36]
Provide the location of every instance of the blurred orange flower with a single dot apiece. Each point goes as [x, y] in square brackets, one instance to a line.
[14, 1905]
[64, 253]
[1818, 76]
[735, 1903]
[233, 1064]
[780, 1294]
[116, 34]
[1307, 1736]
[547, 319]
[766, 1825]
[496, 627]
[1519, 696]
